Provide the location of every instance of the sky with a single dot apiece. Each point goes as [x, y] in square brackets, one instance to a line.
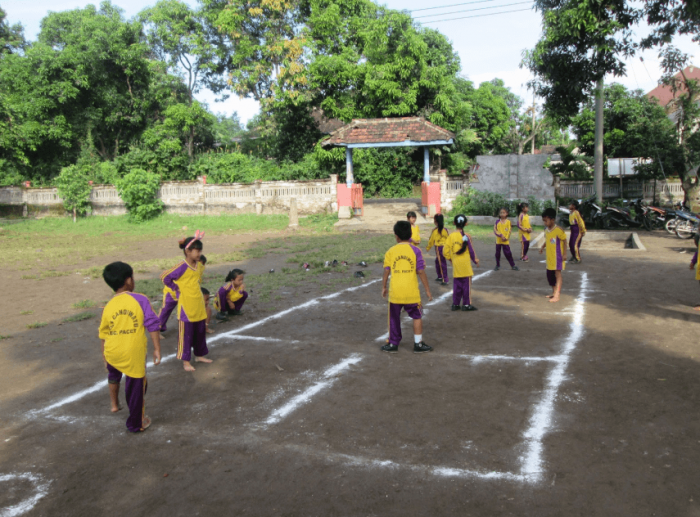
[488, 46]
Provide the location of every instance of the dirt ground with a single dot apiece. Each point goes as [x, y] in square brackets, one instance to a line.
[301, 414]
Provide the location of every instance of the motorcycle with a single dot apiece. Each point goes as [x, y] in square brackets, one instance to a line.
[590, 212]
[615, 217]
[642, 214]
[687, 225]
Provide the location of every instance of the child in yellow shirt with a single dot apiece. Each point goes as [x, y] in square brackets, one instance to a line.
[524, 230]
[555, 244]
[231, 296]
[185, 279]
[457, 244]
[438, 237]
[404, 262]
[125, 320]
[578, 230]
[502, 231]
[415, 231]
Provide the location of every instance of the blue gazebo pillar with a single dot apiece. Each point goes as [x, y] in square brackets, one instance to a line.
[426, 165]
[349, 179]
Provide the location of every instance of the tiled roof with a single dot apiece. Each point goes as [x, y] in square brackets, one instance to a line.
[326, 125]
[388, 131]
[665, 94]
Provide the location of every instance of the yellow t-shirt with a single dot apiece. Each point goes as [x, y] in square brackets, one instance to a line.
[461, 264]
[555, 240]
[437, 239]
[524, 224]
[415, 235]
[404, 261]
[186, 281]
[576, 219]
[125, 320]
[502, 231]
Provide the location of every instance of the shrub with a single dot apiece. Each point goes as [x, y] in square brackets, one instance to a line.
[139, 190]
[74, 189]
[487, 203]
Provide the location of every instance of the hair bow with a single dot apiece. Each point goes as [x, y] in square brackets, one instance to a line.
[465, 238]
[461, 219]
[198, 236]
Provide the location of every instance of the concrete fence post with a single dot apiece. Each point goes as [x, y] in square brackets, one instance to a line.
[293, 214]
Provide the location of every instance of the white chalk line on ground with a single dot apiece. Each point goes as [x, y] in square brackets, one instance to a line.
[435, 301]
[328, 378]
[476, 359]
[229, 335]
[540, 420]
[41, 488]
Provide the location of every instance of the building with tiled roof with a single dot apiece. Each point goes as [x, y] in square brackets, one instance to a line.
[389, 132]
[665, 95]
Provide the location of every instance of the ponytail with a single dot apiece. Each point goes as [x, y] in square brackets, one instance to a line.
[460, 222]
[233, 274]
[521, 206]
[440, 221]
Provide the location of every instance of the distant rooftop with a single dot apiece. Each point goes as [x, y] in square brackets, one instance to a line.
[665, 93]
[390, 132]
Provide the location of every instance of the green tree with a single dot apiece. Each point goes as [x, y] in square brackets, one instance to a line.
[139, 191]
[11, 36]
[74, 188]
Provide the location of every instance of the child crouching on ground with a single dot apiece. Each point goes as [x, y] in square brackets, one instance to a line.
[555, 244]
[456, 251]
[231, 296]
[405, 263]
[125, 320]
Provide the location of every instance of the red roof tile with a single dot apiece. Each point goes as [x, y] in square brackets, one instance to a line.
[665, 94]
[388, 131]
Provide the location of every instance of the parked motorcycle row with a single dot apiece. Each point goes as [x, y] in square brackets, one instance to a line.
[679, 220]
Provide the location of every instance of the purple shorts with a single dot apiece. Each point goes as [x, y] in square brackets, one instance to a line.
[414, 311]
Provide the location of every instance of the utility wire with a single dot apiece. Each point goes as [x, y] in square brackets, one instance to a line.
[470, 10]
[453, 5]
[476, 16]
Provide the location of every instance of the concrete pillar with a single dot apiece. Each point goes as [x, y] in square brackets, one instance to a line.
[348, 166]
[293, 214]
[258, 200]
[426, 165]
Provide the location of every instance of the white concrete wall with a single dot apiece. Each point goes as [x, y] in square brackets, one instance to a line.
[515, 176]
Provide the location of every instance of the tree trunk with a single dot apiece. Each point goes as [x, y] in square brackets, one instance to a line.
[598, 167]
[190, 145]
[74, 215]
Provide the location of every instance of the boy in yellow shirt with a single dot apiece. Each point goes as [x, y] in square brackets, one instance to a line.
[555, 244]
[125, 320]
[405, 263]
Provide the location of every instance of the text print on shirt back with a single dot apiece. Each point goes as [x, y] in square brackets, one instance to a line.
[408, 259]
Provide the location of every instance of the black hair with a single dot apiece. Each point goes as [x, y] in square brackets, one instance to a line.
[575, 203]
[549, 213]
[203, 259]
[411, 214]
[116, 274]
[502, 208]
[522, 205]
[460, 221]
[205, 291]
[233, 274]
[402, 229]
[196, 245]
[440, 221]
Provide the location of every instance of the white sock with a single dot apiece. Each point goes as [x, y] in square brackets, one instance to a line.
[418, 338]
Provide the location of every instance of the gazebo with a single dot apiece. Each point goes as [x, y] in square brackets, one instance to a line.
[387, 132]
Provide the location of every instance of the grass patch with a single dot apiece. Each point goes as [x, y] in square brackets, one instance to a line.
[4, 337]
[93, 272]
[29, 277]
[318, 249]
[53, 274]
[57, 339]
[319, 222]
[83, 304]
[62, 240]
[26, 313]
[79, 317]
[36, 325]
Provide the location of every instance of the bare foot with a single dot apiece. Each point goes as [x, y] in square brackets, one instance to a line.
[145, 423]
[162, 336]
[554, 299]
[696, 308]
[202, 360]
[187, 366]
[210, 331]
[549, 296]
[116, 408]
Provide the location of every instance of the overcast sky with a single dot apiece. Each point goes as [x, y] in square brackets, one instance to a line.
[489, 46]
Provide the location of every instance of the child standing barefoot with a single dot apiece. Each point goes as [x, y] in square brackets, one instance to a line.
[524, 230]
[578, 230]
[185, 279]
[555, 244]
[457, 244]
[125, 320]
[438, 238]
[502, 231]
[405, 264]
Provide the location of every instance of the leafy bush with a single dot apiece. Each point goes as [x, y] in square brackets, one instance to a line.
[74, 189]
[139, 190]
[235, 167]
[476, 202]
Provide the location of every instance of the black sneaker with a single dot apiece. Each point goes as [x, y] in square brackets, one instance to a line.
[455, 307]
[469, 308]
[515, 268]
[497, 268]
[221, 316]
[421, 347]
[438, 279]
[236, 313]
[443, 283]
[392, 349]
